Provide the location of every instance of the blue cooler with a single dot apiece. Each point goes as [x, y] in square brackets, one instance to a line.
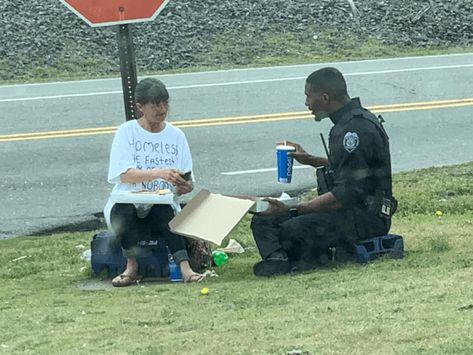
[106, 253]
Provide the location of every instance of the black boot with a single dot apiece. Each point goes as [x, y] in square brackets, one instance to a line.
[275, 264]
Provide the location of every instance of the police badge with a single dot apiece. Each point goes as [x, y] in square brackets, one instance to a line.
[351, 141]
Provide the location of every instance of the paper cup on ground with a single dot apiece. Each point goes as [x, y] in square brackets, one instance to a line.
[284, 163]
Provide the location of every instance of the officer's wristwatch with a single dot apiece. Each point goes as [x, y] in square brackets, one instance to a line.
[293, 212]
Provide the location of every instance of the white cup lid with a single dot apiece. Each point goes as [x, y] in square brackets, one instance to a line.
[285, 147]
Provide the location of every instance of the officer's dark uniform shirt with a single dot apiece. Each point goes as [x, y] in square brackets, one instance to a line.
[359, 156]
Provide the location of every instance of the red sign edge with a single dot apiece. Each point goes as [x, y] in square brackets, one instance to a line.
[111, 23]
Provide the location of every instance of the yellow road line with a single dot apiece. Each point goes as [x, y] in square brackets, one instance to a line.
[218, 121]
[48, 134]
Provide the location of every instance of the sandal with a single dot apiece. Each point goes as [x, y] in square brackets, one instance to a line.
[123, 280]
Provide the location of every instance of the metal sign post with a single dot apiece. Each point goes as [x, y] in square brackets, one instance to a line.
[120, 12]
[128, 69]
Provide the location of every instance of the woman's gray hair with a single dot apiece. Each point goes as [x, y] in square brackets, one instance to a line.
[151, 90]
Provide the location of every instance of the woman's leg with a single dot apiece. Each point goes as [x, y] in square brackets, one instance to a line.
[161, 215]
[128, 230]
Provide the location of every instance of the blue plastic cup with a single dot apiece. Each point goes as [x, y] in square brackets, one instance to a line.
[285, 163]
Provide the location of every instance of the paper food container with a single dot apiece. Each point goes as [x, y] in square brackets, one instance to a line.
[149, 198]
[261, 205]
[210, 217]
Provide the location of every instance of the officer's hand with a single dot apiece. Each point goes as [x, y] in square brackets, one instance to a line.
[302, 158]
[275, 208]
[298, 147]
[299, 154]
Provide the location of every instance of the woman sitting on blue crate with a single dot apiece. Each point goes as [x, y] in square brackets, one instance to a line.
[149, 154]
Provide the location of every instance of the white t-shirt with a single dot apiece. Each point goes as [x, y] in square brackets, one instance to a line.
[136, 148]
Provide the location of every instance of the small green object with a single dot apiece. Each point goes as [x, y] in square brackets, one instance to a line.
[219, 257]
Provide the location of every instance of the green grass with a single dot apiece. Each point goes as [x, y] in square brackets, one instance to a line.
[71, 63]
[244, 48]
[420, 304]
[277, 46]
[448, 190]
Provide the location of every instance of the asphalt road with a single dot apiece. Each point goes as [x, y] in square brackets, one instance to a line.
[55, 137]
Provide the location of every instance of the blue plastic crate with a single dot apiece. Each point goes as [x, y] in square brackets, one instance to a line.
[106, 253]
[371, 249]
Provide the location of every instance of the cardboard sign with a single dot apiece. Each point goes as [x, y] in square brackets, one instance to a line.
[210, 217]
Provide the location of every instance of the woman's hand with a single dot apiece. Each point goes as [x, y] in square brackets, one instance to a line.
[133, 175]
[184, 188]
[174, 176]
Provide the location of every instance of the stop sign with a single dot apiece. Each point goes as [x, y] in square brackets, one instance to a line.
[115, 12]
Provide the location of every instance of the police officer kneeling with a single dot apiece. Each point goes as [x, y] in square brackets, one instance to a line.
[355, 190]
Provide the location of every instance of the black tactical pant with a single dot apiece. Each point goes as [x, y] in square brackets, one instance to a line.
[310, 236]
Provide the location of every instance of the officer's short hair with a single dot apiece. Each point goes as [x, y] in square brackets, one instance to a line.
[329, 81]
[151, 90]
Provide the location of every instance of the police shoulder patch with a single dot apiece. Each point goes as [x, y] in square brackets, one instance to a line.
[351, 141]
